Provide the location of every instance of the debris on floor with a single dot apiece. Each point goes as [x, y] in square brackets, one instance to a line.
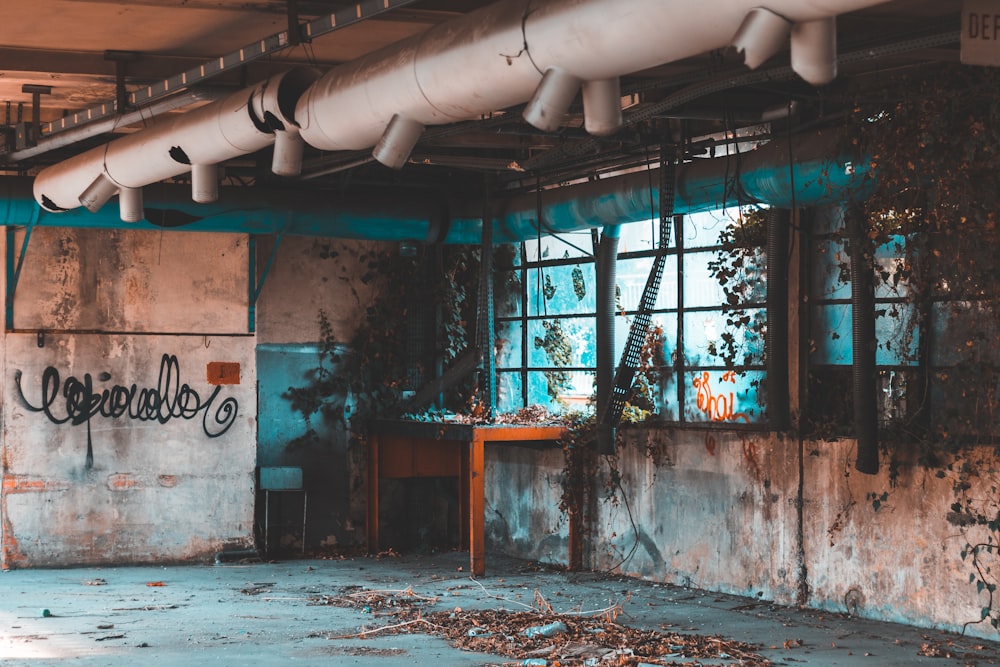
[541, 636]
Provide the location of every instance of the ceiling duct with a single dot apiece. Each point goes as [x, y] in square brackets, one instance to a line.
[242, 123]
[514, 51]
[481, 62]
[762, 34]
[805, 171]
[814, 50]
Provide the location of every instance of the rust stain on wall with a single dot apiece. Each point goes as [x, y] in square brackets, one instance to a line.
[25, 484]
[168, 481]
[123, 482]
[223, 372]
[11, 555]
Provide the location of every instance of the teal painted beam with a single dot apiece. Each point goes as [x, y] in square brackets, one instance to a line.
[808, 172]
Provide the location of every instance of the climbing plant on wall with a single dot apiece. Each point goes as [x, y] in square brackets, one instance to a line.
[738, 266]
[365, 376]
[357, 379]
[934, 143]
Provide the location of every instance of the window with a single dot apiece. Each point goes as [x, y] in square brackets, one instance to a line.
[831, 329]
[703, 361]
[936, 337]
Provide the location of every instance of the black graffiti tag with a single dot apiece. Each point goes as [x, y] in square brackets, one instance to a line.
[169, 399]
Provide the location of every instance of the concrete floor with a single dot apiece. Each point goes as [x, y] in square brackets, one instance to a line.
[278, 613]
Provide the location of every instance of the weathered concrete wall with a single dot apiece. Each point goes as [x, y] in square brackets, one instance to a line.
[133, 281]
[309, 275]
[526, 522]
[128, 445]
[721, 511]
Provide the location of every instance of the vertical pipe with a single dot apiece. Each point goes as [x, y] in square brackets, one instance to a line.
[204, 183]
[607, 259]
[776, 341]
[864, 344]
[130, 208]
[602, 106]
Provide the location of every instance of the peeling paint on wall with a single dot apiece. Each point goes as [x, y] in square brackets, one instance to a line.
[727, 520]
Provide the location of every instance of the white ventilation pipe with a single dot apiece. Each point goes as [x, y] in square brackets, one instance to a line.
[814, 51]
[549, 105]
[241, 123]
[762, 34]
[97, 194]
[602, 106]
[130, 205]
[494, 58]
[205, 183]
[397, 142]
[288, 149]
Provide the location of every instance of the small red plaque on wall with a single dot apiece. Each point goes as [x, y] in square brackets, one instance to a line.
[223, 372]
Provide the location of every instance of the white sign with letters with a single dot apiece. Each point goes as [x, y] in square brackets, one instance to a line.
[981, 32]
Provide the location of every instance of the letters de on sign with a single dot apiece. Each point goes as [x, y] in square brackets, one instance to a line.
[981, 32]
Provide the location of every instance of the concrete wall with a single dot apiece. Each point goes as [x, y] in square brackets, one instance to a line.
[157, 310]
[129, 408]
[723, 514]
[309, 275]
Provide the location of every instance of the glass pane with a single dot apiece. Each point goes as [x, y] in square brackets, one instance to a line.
[710, 339]
[509, 397]
[702, 230]
[508, 344]
[561, 290]
[667, 408]
[725, 397]
[826, 219]
[830, 270]
[632, 275]
[558, 246]
[830, 340]
[562, 342]
[508, 292]
[964, 330]
[542, 386]
[896, 334]
[580, 392]
[667, 324]
[743, 270]
[830, 409]
[701, 288]
[642, 236]
[891, 269]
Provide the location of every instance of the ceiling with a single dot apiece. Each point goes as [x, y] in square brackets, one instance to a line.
[78, 55]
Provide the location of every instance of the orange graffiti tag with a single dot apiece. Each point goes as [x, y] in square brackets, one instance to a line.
[717, 407]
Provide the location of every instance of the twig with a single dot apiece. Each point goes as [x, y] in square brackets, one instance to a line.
[365, 633]
[500, 597]
[408, 592]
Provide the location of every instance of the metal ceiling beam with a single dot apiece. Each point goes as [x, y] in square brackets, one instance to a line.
[262, 48]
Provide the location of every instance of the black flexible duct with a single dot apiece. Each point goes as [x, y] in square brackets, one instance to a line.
[864, 344]
[776, 341]
[607, 261]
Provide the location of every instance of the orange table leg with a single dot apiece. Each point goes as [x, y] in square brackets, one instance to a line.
[371, 515]
[477, 507]
[464, 491]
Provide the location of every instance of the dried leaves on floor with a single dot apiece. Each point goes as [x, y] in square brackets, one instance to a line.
[550, 638]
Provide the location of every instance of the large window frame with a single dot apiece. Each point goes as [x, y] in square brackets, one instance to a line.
[689, 318]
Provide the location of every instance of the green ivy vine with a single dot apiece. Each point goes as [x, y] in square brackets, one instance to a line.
[933, 138]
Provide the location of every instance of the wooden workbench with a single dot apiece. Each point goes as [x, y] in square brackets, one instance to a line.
[403, 449]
